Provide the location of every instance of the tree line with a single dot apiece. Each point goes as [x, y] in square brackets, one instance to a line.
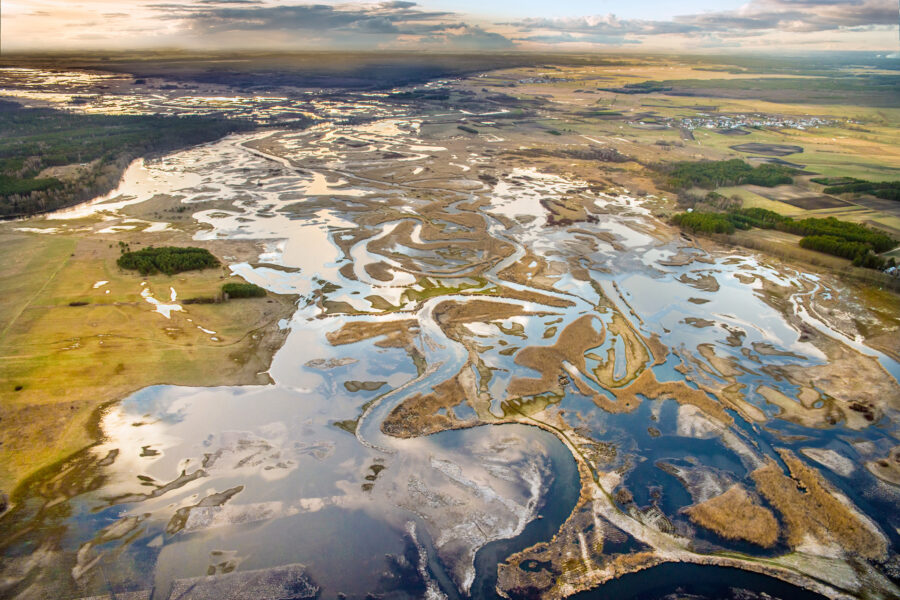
[34, 139]
[853, 241]
[888, 190]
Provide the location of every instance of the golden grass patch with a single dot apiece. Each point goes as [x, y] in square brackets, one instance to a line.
[578, 337]
[734, 515]
[809, 507]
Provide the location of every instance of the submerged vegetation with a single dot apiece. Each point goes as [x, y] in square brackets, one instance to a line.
[168, 260]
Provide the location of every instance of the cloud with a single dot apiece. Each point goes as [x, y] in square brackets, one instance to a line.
[798, 16]
[381, 18]
[752, 19]
[462, 36]
[362, 24]
[380, 24]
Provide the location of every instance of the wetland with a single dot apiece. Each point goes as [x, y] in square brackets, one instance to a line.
[476, 361]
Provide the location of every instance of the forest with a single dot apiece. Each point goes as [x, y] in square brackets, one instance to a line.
[848, 240]
[98, 146]
[712, 174]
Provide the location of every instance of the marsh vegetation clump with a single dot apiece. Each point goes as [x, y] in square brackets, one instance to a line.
[735, 515]
[809, 506]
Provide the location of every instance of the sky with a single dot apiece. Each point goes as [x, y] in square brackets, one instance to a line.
[449, 25]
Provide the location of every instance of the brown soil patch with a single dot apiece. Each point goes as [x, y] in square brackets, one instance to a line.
[816, 202]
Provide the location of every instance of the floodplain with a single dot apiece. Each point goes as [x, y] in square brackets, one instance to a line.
[487, 364]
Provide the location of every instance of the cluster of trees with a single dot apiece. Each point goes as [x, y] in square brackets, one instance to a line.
[852, 232]
[889, 190]
[168, 260]
[34, 139]
[242, 290]
[831, 236]
[745, 218]
[835, 246]
[710, 174]
[704, 222]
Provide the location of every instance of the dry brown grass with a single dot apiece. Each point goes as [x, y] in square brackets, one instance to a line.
[530, 296]
[418, 414]
[452, 313]
[636, 355]
[808, 506]
[646, 385]
[380, 271]
[659, 350]
[397, 334]
[734, 515]
[888, 468]
[578, 337]
[540, 275]
[702, 282]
